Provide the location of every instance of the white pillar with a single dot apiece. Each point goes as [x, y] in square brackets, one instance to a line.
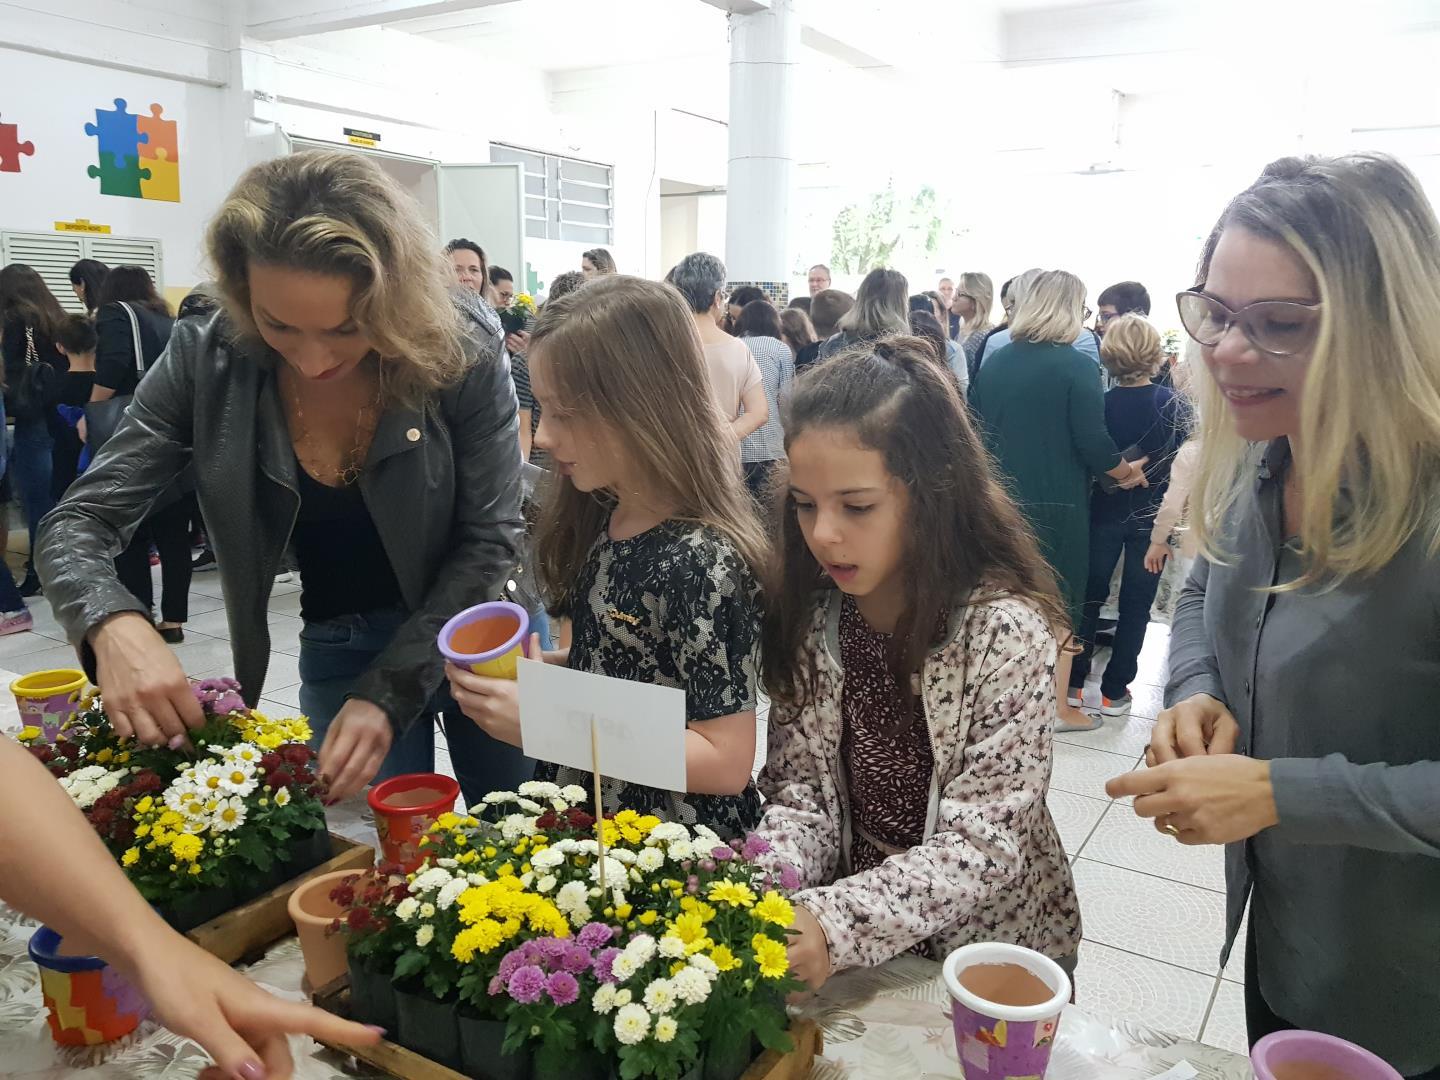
[764, 63]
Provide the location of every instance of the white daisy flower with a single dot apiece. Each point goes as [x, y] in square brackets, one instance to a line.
[666, 1029]
[228, 814]
[548, 859]
[245, 752]
[424, 935]
[539, 789]
[682, 851]
[672, 948]
[604, 1000]
[692, 986]
[545, 884]
[702, 963]
[650, 860]
[642, 948]
[238, 779]
[624, 967]
[407, 909]
[573, 793]
[427, 911]
[667, 832]
[632, 1024]
[433, 878]
[450, 893]
[282, 797]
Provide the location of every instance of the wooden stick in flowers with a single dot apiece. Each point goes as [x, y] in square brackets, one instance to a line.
[599, 807]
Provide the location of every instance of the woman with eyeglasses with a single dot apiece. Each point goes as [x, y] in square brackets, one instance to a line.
[1305, 662]
[974, 299]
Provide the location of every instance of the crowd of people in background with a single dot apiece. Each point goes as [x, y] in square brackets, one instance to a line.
[898, 515]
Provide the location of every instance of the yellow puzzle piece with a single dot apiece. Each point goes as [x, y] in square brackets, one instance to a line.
[164, 182]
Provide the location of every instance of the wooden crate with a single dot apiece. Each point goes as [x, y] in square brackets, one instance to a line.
[394, 1060]
[245, 932]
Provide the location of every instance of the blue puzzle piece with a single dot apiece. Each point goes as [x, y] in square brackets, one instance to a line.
[119, 132]
[119, 176]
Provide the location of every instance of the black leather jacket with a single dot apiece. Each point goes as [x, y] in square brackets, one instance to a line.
[442, 483]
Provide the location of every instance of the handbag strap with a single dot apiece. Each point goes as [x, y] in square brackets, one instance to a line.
[32, 355]
[135, 336]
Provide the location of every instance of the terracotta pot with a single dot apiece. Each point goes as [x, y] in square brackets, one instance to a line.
[404, 807]
[86, 1001]
[313, 912]
[47, 699]
[489, 639]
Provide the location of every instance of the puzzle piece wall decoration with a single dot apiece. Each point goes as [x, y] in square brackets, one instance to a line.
[161, 139]
[118, 132]
[120, 176]
[11, 148]
[160, 180]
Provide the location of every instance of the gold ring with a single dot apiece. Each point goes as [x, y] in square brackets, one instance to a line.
[1171, 829]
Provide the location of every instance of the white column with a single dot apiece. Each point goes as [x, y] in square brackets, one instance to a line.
[764, 63]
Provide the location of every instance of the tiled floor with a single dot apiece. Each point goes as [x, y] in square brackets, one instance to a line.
[1153, 909]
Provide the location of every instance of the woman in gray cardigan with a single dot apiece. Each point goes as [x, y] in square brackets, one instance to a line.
[1305, 660]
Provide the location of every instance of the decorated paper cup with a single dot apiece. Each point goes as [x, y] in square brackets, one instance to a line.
[406, 806]
[1008, 1001]
[1309, 1055]
[489, 639]
[86, 1001]
[47, 699]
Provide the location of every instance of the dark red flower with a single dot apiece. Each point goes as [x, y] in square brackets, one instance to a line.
[547, 821]
[358, 918]
[279, 778]
[297, 754]
[579, 819]
[270, 761]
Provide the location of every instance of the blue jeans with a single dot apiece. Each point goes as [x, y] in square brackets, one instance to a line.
[31, 464]
[336, 652]
[1109, 540]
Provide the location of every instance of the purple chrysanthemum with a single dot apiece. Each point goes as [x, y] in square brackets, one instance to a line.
[755, 846]
[722, 854]
[496, 987]
[562, 988]
[593, 935]
[576, 960]
[789, 878]
[605, 965]
[551, 948]
[527, 984]
[512, 963]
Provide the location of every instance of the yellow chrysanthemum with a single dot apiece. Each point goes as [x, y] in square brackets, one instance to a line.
[648, 918]
[699, 907]
[690, 929]
[770, 956]
[724, 959]
[29, 733]
[145, 805]
[485, 936]
[775, 909]
[731, 892]
[187, 847]
[104, 756]
[131, 857]
[445, 822]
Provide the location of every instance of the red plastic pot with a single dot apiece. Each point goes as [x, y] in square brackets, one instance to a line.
[405, 807]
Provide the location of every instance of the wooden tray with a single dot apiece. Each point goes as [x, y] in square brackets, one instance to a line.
[245, 932]
[394, 1060]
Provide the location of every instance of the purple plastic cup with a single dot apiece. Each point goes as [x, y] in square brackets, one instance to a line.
[994, 1040]
[1309, 1055]
[489, 639]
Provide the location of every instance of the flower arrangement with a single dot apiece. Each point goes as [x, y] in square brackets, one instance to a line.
[517, 316]
[680, 954]
[1170, 343]
[225, 815]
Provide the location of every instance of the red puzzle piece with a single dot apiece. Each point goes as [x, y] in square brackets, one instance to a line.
[11, 148]
[163, 135]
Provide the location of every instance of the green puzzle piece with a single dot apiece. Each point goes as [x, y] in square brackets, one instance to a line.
[123, 180]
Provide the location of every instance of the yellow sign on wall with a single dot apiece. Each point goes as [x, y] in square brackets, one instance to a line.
[84, 225]
[362, 138]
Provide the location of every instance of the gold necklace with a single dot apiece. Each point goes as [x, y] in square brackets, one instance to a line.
[353, 465]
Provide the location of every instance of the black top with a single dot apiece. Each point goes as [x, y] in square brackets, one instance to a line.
[65, 456]
[343, 566]
[1154, 419]
[674, 606]
[12, 344]
[807, 356]
[115, 366]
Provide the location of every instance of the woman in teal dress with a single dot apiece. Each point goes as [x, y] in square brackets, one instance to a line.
[1042, 410]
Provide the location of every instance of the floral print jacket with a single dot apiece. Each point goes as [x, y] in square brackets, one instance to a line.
[992, 867]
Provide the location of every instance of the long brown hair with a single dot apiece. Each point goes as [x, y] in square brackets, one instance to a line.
[963, 528]
[332, 212]
[26, 299]
[623, 354]
[132, 284]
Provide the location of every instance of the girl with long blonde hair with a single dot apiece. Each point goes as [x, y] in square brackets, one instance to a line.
[338, 406]
[973, 303]
[1304, 663]
[648, 542]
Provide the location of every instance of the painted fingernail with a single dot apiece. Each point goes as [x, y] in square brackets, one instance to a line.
[377, 1029]
[177, 742]
[250, 1070]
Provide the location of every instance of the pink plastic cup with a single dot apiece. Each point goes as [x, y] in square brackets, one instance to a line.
[1309, 1055]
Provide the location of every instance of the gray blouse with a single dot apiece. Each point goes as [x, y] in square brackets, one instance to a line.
[1339, 687]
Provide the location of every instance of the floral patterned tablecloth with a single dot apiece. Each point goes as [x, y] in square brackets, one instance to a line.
[883, 1024]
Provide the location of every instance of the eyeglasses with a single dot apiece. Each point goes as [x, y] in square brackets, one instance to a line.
[1277, 327]
[1088, 314]
[1108, 317]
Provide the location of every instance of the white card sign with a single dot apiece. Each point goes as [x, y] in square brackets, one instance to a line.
[639, 729]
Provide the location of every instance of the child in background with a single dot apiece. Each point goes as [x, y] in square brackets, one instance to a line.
[1146, 421]
[910, 656]
[75, 337]
[648, 543]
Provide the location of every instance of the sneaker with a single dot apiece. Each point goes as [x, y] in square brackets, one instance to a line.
[16, 622]
[204, 561]
[1075, 697]
[1116, 706]
[31, 585]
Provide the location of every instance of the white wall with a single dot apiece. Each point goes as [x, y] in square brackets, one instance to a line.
[53, 184]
